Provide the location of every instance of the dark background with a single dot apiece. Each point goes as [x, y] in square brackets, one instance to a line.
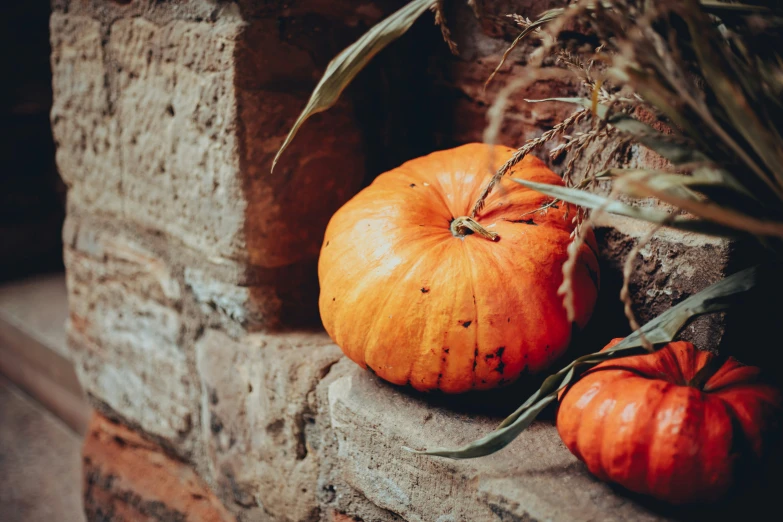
[32, 196]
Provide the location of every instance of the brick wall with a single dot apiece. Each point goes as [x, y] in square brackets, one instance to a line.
[191, 269]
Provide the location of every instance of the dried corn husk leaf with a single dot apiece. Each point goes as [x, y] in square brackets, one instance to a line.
[677, 184]
[546, 17]
[711, 212]
[673, 147]
[592, 201]
[738, 103]
[346, 65]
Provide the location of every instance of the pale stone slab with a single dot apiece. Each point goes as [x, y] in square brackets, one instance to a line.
[534, 478]
[258, 407]
[85, 131]
[172, 88]
[124, 333]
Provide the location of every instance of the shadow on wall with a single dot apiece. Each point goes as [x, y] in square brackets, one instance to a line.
[382, 120]
[31, 192]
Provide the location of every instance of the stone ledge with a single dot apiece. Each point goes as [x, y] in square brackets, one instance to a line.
[295, 431]
[534, 478]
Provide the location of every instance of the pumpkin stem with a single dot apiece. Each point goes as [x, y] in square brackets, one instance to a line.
[464, 226]
[703, 376]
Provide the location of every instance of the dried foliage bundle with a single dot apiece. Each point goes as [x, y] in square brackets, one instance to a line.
[706, 71]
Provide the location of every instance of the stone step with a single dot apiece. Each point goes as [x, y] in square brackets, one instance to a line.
[33, 352]
[40, 459]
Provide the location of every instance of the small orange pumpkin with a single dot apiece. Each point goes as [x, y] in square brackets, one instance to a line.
[637, 422]
[410, 292]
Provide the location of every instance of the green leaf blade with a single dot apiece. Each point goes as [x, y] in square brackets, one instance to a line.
[346, 65]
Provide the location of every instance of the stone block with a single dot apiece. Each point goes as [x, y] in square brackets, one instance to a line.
[237, 309]
[336, 497]
[128, 478]
[288, 210]
[671, 267]
[125, 332]
[171, 120]
[85, 131]
[534, 478]
[172, 89]
[259, 420]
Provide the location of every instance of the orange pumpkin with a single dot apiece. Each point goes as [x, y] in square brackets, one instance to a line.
[409, 292]
[636, 421]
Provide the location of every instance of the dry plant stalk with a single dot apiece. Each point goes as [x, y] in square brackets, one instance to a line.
[715, 86]
[496, 112]
[625, 294]
[440, 21]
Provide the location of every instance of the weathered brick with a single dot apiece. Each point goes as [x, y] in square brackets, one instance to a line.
[129, 478]
[258, 403]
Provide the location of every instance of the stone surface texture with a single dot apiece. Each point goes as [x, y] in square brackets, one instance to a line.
[535, 478]
[258, 402]
[125, 332]
[672, 266]
[191, 270]
[166, 116]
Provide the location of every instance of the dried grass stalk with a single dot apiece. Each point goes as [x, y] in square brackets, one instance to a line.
[440, 21]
